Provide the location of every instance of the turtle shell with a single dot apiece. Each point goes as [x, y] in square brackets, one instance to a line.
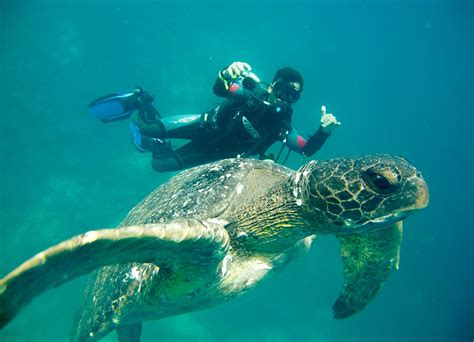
[203, 192]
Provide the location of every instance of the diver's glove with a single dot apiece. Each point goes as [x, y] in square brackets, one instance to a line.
[328, 121]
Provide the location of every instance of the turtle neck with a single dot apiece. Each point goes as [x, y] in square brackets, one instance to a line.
[273, 222]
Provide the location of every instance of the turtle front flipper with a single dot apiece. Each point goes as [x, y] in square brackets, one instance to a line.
[163, 244]
[368, 260]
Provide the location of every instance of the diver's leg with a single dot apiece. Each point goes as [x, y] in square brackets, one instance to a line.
[166, 163]
[129, 333]
[173, 127]
[184, 157]
[152, 134]
[149, 124]
[186, 126]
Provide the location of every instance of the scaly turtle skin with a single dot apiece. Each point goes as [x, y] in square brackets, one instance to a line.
[215, 231]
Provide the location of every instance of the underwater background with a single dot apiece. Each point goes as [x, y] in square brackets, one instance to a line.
[397, 74]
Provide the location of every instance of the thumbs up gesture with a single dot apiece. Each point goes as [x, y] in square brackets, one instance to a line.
[328, 121]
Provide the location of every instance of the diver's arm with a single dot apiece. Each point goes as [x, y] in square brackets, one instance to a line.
[221, 85]
[306, 147]
[227, 83]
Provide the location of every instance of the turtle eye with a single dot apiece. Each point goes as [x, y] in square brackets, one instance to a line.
[378, 182]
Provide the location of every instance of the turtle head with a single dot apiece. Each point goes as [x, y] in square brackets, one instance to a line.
[363, 201]
[355, 195]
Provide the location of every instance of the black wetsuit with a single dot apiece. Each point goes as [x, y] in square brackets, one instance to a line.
[244, 124]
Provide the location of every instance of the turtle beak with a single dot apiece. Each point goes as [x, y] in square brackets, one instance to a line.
[422, 198]
[422, 194]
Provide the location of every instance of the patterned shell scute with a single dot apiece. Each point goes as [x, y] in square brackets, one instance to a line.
[201, 192]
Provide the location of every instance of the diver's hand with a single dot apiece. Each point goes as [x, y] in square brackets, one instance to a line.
[328, 121]
[236, 70]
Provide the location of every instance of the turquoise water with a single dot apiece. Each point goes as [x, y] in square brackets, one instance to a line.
[398, 75]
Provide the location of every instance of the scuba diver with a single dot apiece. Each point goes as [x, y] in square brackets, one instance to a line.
[253, 116]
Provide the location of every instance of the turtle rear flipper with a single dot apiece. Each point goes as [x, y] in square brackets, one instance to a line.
[163, 244]
[368, 260]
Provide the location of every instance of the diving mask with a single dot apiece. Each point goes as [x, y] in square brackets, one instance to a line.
[286, 92]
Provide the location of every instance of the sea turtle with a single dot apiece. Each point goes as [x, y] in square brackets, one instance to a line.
[217, 230]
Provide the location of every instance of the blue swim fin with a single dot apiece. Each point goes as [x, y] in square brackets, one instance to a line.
[114, 107]
[148, 144]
